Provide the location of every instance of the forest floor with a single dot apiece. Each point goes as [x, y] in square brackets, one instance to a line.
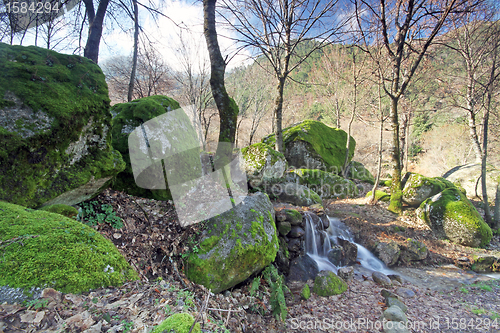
[154, 244]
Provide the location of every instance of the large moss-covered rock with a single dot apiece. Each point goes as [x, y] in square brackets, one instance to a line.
[54, 128]
[327, 185]
[235, 244]
[42, 249]
[314, 145]
[468, 177]
[451, 215]
[358, 171]
[127, 117]
[417, 188]
[296, 194]
[263, 163]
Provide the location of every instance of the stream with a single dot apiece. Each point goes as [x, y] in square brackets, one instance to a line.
[319, 241]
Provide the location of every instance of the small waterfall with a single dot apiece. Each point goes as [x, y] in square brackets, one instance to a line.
[319, 243]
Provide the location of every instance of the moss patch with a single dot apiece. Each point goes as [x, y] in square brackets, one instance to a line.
[327, 284]
[65, 210]
[54, 135]
[178, 323]
[379, 195]
[305, 294]
[326, 184]
[43, 249]
[328, 142]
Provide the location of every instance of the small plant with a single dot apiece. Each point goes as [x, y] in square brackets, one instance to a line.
[255, 286]
[92, 214]
[36, 304]
[127, 326]
[168, 310]
[186, 297]
[478, 311]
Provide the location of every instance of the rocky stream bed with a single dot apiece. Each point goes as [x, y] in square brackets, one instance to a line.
[444, 298]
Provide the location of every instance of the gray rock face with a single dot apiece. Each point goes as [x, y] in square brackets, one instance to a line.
[388, 252]
[418, 188]
[296, 232]
[394, 313]
[381, 279]
[263, 164]
[414, 250]
[346, 273]
[303, 268]
[235, 245]
[467, 176]
[350, 251]
[300, 154]
[295, 194]
[335, 255]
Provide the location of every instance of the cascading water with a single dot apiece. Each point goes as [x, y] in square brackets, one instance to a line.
[319, 242]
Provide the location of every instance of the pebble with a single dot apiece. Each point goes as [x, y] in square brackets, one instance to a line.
[381, 279]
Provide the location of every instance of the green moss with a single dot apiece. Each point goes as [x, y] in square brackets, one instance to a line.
[396, 205]
[50, 250]
[65, 210]
[330, 143]
[326, 184]
[328, 284]
[305, 294]
[255, 155]
[178, 323]
[66, 93]
[292, 215]
[379, 195]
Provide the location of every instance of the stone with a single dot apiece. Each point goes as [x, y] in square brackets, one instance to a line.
[327, 284]
[350, 251]
[386, 294]
[79, 257]
[346, 273]
[327, 185]
[395, 277]
[394, 313]
[394, 301]
[314, 145]
[418, 188]
[55, 125]
[483, 263]
[414, 250]
[296, 194]
[305, 294]
[451, 215]
[52, 294]
[325, 220]
[235, 245]
[263, 164]
[294, 245]
[467, 176]
[282, 257]
[356, 170]
[145, 113]
[381, 279]
[179, 323]
[302, 268]
[388, 252]
[335, 255]
[405, 292]
[379, 195]
[284, 228]
[296, 232]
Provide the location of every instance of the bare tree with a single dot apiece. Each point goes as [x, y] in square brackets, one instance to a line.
[277, 30]
[405, 30]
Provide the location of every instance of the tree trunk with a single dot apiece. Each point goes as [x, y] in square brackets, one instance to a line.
[228, 110]
[472, 118]
[96, 21]
[380, 145]
[396, 205]
[278, 116]
[134, 56]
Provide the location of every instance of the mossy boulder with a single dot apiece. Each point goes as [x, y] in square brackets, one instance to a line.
[178, 323]
[128, 117]
[54, 128]
[263, 163]
[451, 215]
[327, 185]
[486, 263]
[296, 194]
[414, 250]
[468, 177]
[417, 188]
[43, 249]
[235, 244]
[314, 145]
[328, 283]
[65, 210]
[379, 195]
[358, 171]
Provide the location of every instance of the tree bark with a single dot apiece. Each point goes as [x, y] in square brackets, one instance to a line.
[396, 205]
[278, 116]
[380, 145]
[136, 49]
[228, 110]
[96, 20]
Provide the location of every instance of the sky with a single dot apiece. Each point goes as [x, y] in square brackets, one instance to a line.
[165, 33]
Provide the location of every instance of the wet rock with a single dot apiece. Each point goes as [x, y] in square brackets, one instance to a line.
[290, 215]
[335, 255]
[303, 268]
[294, 245]
[296, 232]
[395, 277]
[381, 279]
[326, 221]
[350, 251]
[388, 252]
[346, 273]
[284, 228]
